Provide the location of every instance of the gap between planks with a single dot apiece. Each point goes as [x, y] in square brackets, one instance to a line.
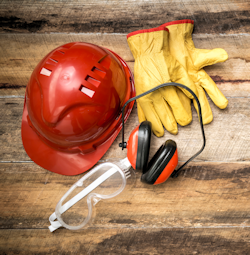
[143, 228]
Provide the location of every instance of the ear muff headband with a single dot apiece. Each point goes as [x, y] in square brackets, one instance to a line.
[123, 144]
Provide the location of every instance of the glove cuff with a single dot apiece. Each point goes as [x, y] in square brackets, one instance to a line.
[176, 22]
[160, 28]
[181, 30]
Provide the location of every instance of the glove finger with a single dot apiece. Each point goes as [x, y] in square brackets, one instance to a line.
[141, 115]
[212, 90]
[179, 111]
[179, 74]
[151, 115]
[207, 115]
[186, 102]
[166, 115]
[203, 57]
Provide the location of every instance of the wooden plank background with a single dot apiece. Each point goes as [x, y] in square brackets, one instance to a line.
[204, 211]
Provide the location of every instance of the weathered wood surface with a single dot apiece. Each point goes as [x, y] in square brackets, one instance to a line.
[228, 136]
[205, 195]
[127, 241]
[117, 16]
[20, 53]
[204, 211]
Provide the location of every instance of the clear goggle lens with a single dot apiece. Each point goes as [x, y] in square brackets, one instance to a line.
[75, 208]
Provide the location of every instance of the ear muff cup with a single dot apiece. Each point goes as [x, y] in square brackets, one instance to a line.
[159, 162]
[144, 138]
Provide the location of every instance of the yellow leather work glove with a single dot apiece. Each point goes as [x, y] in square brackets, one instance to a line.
[154, 65]
[182, 48]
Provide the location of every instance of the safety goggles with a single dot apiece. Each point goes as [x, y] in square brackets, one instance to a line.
[75, 208]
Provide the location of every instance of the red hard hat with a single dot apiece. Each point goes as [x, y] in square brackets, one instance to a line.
[72, 107]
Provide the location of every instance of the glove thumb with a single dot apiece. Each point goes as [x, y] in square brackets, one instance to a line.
[203, 57]
[212, 90]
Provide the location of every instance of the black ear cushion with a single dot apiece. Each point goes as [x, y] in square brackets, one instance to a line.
[144, 137]
[159, 161]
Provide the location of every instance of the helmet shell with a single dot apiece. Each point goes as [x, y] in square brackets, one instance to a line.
[72, 106]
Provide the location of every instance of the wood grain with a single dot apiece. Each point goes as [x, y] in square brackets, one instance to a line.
[127, 241]
[228, 137]
[122, 16]
[20, 53]
[203, 211]
[205, 195]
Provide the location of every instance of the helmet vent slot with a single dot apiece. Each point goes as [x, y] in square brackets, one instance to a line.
[90, 93]
[61, 51]
[45, 72]
[105, 61]
[98, 72]
[93, 81]
[53, 60]
[100, 60]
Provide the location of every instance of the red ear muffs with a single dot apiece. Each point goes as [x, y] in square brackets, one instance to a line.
[138, 146]
[162, 165]
[163, 162]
